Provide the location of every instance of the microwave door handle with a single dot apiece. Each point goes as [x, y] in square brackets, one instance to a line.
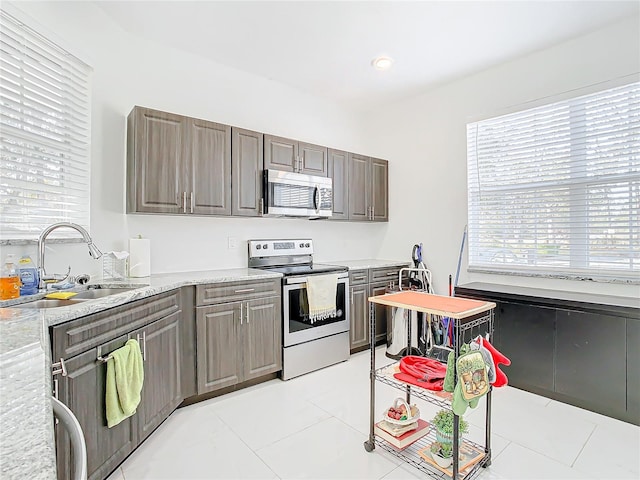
[316, 198]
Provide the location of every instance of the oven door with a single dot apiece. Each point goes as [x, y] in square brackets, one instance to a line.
[295, 312]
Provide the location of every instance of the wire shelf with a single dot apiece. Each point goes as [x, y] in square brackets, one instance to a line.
[385, 375]
[411, 456]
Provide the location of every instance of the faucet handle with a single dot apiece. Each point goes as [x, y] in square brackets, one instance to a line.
[56, 277]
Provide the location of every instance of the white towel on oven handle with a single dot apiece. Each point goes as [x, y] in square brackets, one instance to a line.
[321, 294]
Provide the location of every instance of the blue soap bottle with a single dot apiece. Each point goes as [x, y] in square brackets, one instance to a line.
[28, 273]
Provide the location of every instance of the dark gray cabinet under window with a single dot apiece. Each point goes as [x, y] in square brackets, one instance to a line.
[526, 333]
[572, 347]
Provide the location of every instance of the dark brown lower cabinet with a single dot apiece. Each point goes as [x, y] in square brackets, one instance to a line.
[238, 341]
[359, 316]
[83, 391]
[161, 393]
[156, 323]
[381, 310]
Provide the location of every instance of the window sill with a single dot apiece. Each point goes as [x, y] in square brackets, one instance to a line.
[583, 277]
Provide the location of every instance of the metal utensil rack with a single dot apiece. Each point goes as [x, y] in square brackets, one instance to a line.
[465, 315]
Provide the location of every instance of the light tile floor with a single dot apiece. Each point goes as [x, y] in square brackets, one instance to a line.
[314, 426]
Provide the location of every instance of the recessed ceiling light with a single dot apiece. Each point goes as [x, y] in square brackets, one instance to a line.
[382, 63]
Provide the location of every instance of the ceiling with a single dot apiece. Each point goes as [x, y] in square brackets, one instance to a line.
[326, 48]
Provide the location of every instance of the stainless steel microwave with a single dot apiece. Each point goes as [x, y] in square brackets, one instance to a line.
[296, 194]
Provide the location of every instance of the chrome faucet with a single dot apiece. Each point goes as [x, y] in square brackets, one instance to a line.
[93, 250]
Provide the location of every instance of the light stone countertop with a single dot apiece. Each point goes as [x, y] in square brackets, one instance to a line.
[370, 263]
[27, 447]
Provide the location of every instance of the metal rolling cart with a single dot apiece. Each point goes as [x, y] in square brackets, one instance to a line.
[464, 315]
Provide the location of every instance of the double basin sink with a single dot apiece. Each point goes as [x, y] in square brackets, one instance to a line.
[83, 296]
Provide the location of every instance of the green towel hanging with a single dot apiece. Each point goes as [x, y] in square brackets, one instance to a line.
[125, 376]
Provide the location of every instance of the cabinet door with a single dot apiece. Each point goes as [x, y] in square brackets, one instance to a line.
[261, 337]
[219, 358]
[381, 311]
[380, 189]
[339, 173]
[83, 391]
[313, 159]
[591, 359]
[209, 168]
[633, 369]
[156, 150]
[161, 392]
[359, 185]
[246, 172]
[280, 153]
[527, 338]
[359, 321]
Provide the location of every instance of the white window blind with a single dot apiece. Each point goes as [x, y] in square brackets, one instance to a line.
[44, 133]
[555, 190]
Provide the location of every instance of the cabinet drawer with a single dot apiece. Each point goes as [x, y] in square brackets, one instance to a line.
[359, 277]
[384, 274]
[80, 335]
[235, 291]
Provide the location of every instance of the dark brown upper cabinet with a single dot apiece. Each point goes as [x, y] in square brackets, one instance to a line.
[246, 172]
[368, 189]
[293, 156]
[177, 164]
[339, 173]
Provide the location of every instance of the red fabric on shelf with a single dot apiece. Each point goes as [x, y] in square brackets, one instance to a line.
[406, 378]
[421, 371]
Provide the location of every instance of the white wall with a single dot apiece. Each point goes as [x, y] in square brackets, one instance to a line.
[426, 138]
[130, 71]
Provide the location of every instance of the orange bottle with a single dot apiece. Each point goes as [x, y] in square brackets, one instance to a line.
[10, 281]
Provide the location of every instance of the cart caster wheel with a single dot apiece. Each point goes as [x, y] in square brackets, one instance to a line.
[369, 446]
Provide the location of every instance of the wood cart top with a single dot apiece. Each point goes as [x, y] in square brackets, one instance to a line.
[435, 304]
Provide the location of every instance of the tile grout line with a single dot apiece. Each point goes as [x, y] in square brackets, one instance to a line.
[584, 445]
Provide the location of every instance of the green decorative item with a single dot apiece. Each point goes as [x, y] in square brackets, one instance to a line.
[442, 454]
[443, 421]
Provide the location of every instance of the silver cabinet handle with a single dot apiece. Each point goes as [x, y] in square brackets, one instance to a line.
[391, 273]
[357, 279]
[261, 206]
[241, 312]
[244, 290]
[247, 318]
[143, 345]
[373, 212]
[193, 201]
[351, 298]
[184, 202]
[78, 444]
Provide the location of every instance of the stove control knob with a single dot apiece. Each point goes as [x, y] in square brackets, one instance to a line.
[258, 247]
[307, 245]
[302, 245]
[265, 246]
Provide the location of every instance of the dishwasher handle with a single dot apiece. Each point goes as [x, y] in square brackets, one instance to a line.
[78, 444]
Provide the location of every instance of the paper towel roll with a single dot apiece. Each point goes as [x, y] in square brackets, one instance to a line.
[139, 257]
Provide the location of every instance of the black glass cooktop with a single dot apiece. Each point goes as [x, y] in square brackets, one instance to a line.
[288, 270]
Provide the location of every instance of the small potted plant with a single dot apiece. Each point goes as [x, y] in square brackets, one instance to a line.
[443, 421]
[442, 454]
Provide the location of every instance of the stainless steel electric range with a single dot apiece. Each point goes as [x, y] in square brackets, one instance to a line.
[307, 345]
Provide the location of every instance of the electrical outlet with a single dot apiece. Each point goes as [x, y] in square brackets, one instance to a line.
[233, 242]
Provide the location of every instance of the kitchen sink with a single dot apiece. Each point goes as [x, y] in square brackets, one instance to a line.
[99, 293]
[49, 303]
[80, 297]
